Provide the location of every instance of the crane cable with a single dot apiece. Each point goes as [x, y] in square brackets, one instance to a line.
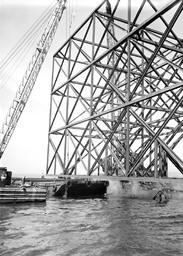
[72, 13]
[26, 35]
[17, 60]
[23, 46]
[70, 16]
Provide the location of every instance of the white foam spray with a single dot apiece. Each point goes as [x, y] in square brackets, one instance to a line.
[114, 187]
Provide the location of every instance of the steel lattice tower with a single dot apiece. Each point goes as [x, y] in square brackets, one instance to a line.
[117, 95]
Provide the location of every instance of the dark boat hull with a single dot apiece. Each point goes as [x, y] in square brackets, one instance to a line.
[81, 189]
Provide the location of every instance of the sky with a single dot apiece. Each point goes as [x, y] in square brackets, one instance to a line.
[26, 153]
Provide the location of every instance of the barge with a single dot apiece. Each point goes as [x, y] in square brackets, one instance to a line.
[15, 194]
[19, 193]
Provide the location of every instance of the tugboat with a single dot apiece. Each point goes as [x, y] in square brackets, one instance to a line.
[13, 193]
[81, 188]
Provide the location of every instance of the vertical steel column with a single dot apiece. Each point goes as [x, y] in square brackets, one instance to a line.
[128, 95]
[66, 146]
[142, 138]
[156, 159]
[50, 113]
[151, 148]
[91, 95]
[111, 61]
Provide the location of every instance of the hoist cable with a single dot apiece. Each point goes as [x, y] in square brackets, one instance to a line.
[22, 45]
[19, 56]
[44, 16]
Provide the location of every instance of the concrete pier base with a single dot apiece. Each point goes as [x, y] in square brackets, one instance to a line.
[133, 187]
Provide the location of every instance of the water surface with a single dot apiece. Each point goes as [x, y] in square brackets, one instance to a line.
[111, 226]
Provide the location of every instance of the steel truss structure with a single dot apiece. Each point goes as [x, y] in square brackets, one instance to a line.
[117, 92]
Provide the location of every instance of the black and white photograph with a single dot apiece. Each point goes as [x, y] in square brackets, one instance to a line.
[91, 136]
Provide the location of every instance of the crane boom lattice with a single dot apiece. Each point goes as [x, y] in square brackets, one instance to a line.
[31, 74]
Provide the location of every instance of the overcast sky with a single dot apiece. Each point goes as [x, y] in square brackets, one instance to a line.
[27, 150]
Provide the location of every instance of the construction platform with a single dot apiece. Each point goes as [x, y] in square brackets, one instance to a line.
[133, 187]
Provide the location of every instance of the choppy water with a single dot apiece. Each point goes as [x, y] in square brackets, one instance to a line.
[112, 226]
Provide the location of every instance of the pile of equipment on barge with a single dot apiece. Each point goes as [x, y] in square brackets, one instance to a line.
[19, 193]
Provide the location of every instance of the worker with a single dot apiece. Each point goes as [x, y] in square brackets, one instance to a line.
[23, 181]
[161, 197]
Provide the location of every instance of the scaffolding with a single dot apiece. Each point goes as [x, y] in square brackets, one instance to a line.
[116, 92]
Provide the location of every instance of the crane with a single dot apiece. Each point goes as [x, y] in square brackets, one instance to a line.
[30, 76]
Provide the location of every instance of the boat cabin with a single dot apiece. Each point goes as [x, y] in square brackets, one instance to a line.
[5, 177]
